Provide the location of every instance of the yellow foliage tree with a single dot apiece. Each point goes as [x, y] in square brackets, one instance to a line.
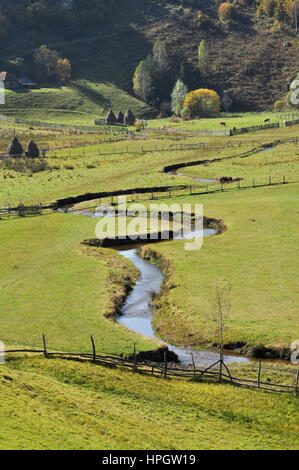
[63, 69]
[202, 102]
[225, 12]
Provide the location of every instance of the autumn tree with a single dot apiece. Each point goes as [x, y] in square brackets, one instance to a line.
[160, 54]
[226, 12]
[203, 58]
[268, 7]
[293, 95]
[63, 69]
[142, 81]
[178, 96]
[202, 102]
[46, 59]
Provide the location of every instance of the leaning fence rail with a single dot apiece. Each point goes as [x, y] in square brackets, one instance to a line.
[164, 368]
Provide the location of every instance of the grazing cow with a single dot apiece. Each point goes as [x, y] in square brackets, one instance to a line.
[267, 120]
[222, 123]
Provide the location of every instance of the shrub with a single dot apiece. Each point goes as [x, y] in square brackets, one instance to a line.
[23, 165]
[202, 102]
[278, 105]
[226, 12]
[186, 113]
[138, 126]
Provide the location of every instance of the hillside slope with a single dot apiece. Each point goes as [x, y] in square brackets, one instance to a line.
[248, 59]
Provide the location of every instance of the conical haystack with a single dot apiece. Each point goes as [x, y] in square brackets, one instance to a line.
[15, 149]
[120, 118]
[32, 150]
[129, 118]
[111, 119]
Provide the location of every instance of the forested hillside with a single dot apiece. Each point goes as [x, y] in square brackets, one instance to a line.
[252, 46]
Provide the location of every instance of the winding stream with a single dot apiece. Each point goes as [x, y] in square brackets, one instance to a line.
[137, 313]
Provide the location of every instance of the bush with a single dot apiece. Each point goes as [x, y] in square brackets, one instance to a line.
[23, 165]
[278, 105]
[226, 12]
[202, 102]
[186, 113]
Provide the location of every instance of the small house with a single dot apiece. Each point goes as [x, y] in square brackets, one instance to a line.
[10, 80]
[27, 82]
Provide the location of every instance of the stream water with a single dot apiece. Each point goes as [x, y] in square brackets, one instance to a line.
[137, 313]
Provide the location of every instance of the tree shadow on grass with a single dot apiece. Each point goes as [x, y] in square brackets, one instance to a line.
[91, 94]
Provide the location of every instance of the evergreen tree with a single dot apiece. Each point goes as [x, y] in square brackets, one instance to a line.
[160, 54]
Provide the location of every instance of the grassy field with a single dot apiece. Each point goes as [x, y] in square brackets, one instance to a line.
[257, 255]
[237, 120]
[240, 254]
[75, 171]
[80, 102]
[54, 404]
[61, 288]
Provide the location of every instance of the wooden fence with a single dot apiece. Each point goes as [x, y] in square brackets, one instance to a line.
[185, 147]
[76, 129]
[166, 369]
[22, 211]
[144, 194]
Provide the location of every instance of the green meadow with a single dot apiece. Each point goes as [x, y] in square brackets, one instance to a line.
[52, 284]
[231, 120]
[56, 404]
[250, 253]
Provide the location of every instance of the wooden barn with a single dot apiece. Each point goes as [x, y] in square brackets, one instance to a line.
[9, 80]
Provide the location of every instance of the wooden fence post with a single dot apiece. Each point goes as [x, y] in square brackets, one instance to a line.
[190, 190]
[259, 374]
[165, 364]
[284, 179]
[93, 350]
[135, 361]
[269, 180]
[194, 368]
[238, 184]
[45, 346]
[253, 183]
